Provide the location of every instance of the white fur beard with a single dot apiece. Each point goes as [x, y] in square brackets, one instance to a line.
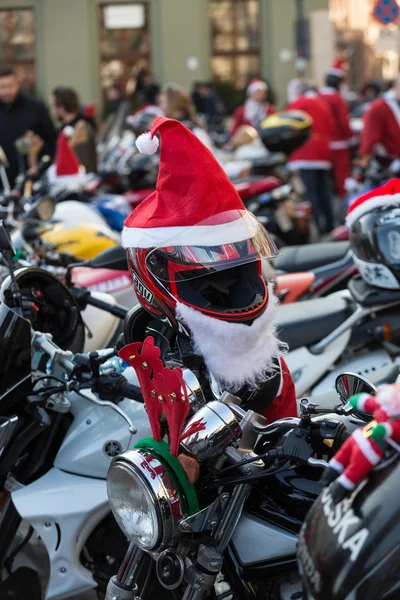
[236, 354]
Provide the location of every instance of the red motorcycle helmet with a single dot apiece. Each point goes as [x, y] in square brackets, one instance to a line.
[192, 241]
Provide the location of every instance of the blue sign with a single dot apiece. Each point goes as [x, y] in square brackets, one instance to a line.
[386, 11]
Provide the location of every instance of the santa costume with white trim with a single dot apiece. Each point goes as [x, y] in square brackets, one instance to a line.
[252, 112]
[196, 204]
[381, 131]
[365, 447]
[342, 133]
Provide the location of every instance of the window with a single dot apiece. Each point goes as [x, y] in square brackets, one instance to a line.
[17, 44]
[235, 40]
[124, 43]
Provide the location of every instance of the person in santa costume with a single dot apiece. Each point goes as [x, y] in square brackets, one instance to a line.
[313, 159]
[365, 448]
[66, 173]
[256, 107]
[381, 133]
[194, 254]
[342, 133]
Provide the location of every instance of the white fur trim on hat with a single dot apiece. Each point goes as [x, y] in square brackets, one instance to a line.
[65, 182]
[200, 235]
[371, 204]
[337, 72]
[147, 144]
[254, 86]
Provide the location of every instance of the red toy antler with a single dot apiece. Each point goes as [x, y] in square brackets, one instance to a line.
[171, 390]
[147, 365]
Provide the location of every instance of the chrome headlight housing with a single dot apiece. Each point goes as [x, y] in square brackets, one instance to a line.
[143, 499]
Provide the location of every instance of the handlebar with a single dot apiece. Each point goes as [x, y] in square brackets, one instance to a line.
[131, 391]
[84, 297]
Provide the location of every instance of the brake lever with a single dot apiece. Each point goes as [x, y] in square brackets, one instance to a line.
[317, 462]
[132, 428]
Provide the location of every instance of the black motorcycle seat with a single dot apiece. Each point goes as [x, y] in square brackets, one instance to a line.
[310, 256]
[308, 322]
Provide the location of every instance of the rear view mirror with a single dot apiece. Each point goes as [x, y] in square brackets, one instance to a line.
[349, 384]
[45, 208]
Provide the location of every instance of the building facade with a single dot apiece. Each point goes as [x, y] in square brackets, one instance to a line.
[90, 43]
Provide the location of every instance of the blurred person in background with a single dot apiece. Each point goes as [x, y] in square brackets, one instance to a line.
[313, 160]
[381, 133]
[206, 100]
[146, 91]
[176, 103]
[256, 107]
[114, 98]
[20, 114]
[81, 130]
[368, 93]
[342, 132]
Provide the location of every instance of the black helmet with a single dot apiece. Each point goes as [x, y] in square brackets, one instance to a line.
[374, 227]
[285, 131]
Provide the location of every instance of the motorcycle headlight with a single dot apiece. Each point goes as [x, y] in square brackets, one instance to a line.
[143, 499]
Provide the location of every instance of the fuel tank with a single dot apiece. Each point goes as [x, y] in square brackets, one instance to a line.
[351, 550]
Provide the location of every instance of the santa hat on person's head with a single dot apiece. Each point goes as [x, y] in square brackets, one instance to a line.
[255, 85]
[66, 172]
[385, 195]
[339, 67]
[194, 201]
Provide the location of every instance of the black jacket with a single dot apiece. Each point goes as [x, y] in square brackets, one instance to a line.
[24, 114]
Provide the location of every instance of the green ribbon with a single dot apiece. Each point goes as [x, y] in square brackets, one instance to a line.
[187, 492]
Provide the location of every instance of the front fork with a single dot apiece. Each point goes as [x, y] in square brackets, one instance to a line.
[123, 586]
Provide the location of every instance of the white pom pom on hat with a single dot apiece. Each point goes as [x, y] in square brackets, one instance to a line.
[68, 131]
[146, 144]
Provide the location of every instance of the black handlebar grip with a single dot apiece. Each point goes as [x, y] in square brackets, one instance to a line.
[131, 391]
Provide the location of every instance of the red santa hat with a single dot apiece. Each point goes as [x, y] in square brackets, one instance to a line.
[255, 85]
[384, 195]
[66, 161]
[194, 201]
[66, 172]
[339, 67]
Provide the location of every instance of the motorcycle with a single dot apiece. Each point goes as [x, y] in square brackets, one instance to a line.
[349, 549]
[257, 481]
[64, 414]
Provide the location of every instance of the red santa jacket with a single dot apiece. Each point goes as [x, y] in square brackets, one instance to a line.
[316, 153]
[239, 117]
[381, 132]
[342, 133]
[285, 404]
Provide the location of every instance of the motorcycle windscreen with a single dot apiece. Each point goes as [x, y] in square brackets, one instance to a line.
[229, 239]
[15, 351]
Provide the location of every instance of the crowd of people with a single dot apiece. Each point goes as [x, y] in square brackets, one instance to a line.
[323, 162]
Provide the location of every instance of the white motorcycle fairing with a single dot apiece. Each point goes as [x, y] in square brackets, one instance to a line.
[64, 509]
[73, 213]
[100, 325]
[97, 434]
[307, 368]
